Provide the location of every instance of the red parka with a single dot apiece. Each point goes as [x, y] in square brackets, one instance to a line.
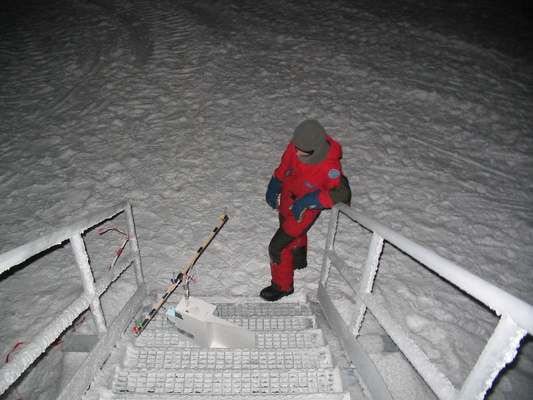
[300, 179]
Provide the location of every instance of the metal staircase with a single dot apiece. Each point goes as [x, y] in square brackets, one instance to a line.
[298, 355]
[291, 360]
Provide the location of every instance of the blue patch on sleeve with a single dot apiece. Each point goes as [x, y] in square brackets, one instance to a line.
[334, 173]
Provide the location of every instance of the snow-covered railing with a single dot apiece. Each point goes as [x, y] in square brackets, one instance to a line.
[516, 316]
[89, 298]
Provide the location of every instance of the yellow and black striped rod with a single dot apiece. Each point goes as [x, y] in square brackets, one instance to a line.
[183, 273]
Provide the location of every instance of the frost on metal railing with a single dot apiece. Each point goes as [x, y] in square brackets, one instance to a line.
[93, 289]
[515, 316]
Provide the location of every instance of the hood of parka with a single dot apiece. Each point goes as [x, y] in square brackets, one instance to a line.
[310, 137]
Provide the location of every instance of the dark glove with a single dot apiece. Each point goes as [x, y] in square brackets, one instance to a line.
[309, 201]
[273, 190]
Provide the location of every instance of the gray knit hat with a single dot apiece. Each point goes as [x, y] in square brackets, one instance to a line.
[310, 137]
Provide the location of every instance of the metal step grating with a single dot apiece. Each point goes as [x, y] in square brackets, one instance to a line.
[295, 323]
[163, 333]
[268, 340]
[227, 310]
[290, 340]
[221, 359]
[169, 396]
[246, 382]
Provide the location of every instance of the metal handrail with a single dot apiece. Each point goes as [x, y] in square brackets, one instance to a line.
[498, 300]
[516, 316]
[89, 298]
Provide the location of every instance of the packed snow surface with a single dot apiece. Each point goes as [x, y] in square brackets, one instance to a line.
[184, 108]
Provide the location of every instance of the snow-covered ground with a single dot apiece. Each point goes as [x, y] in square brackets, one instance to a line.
[184, 108]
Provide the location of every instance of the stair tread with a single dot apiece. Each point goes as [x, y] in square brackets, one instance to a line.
[225, 310]
[241, 382]
[161, 357]
[168, 336]
[256, 322]
[168, 396]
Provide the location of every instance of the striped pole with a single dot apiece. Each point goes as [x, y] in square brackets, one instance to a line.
[182, 274]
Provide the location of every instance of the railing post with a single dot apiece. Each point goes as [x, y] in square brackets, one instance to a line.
[332, 229]
[367, 280]
[500, 350]
[87, 277]
[132, 235]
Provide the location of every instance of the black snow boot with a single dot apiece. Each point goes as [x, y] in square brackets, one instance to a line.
[274, 292]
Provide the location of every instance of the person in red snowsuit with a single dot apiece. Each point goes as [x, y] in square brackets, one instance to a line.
[308, 179]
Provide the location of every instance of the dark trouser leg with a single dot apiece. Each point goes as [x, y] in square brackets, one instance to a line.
[282, 254]
[281, 260]
[299, 252]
